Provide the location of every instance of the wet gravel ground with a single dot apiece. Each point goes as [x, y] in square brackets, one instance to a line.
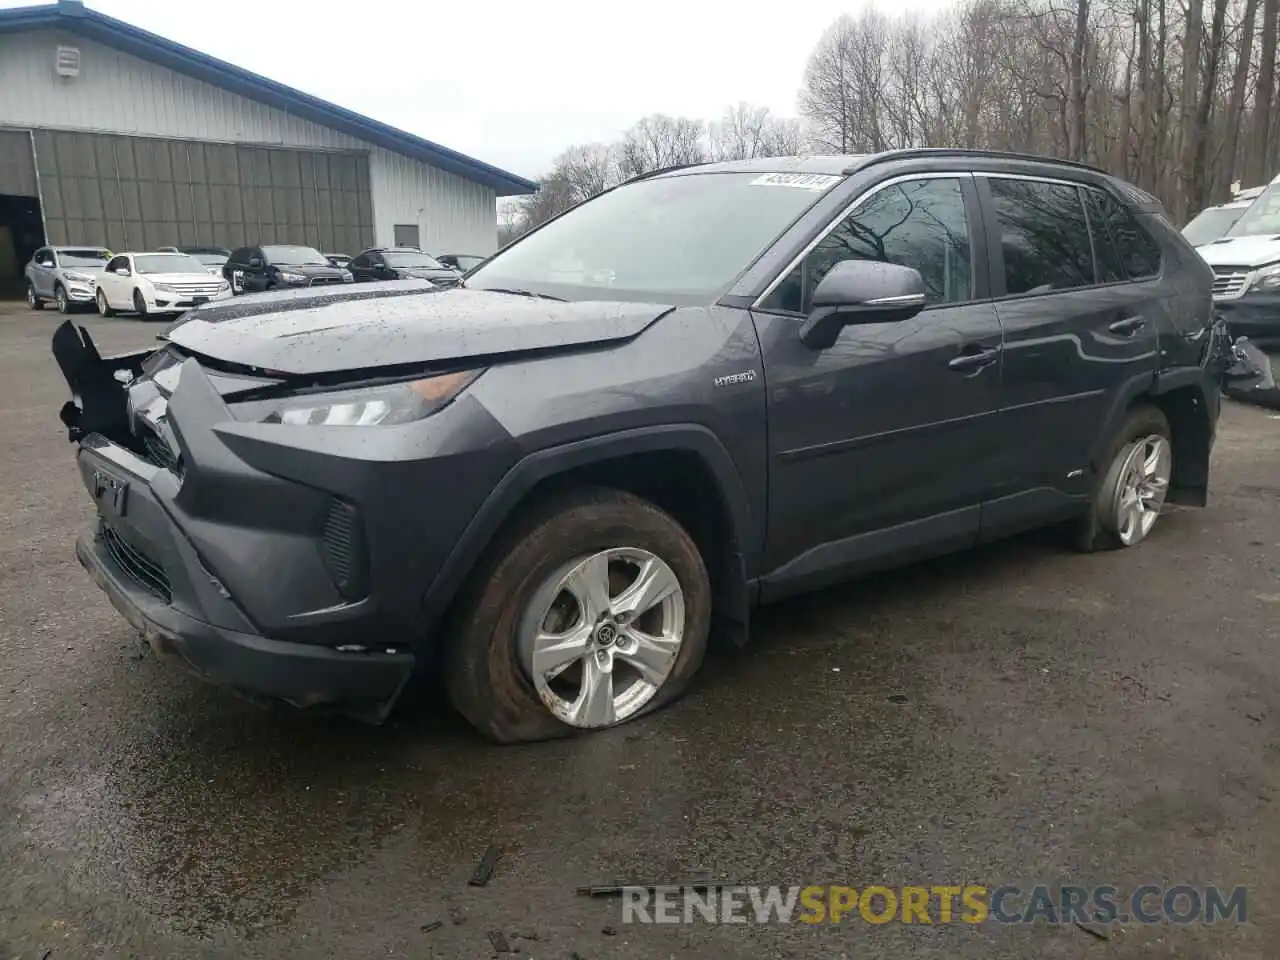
[1019, 714]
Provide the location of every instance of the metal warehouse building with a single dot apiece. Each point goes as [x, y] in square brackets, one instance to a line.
[113, 136]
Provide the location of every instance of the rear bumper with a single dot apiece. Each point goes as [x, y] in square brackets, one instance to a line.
[367, 684]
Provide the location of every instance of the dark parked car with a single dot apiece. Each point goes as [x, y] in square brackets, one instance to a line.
[706, 388]
[277, 266]
[460, 261]
[402, 263]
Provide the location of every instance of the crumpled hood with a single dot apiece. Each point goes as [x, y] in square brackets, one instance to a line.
[394, 323]
[1242, 251]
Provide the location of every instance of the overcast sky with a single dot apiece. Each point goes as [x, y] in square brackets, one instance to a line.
[509, 82]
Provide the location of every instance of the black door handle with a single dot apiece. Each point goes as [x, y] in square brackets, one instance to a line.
[974, 359]
[1127, 326]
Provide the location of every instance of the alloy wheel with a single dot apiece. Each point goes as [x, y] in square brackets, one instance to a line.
[601, 635]
[1142, 487]
[63, 306]
[31, 296]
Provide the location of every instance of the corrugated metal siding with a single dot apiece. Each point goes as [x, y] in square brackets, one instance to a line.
[453, 215]
[17, 168]
[132, 193]
[117, 93]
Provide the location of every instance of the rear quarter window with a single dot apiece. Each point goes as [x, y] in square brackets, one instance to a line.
[1138, 250]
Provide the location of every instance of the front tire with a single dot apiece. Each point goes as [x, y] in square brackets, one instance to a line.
[591, 610]
[103, 307]
[34, 302]
[139, 304]
[60, 297]
[1132, 484]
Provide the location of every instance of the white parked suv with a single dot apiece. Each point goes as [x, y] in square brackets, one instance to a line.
[1246, 269]
[145, 283]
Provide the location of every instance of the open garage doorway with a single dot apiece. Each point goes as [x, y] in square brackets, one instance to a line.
[21, 225]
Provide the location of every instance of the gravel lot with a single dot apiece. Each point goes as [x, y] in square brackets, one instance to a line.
[1015, 715]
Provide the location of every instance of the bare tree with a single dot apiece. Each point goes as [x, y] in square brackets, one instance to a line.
[659, 141]
[1258, 163]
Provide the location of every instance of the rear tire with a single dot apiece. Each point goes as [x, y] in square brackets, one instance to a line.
[139, 304]
[103, 307]
[1127, 499]
[34, 302]
[516, 591]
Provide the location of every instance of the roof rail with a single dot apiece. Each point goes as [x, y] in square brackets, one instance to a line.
[925, 152]
[661, 170]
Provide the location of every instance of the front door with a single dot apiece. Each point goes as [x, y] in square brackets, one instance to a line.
[42, 272]
[883, 446]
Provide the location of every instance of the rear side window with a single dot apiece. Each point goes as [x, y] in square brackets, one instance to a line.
[1043, 234]
[1139, 253]
[1106, 255]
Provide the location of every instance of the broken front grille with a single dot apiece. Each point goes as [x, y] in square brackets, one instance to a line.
[135, 564]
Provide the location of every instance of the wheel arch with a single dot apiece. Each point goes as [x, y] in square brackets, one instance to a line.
[683, 468]
[1179, 394]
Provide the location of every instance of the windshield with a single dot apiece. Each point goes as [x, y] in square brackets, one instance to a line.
[211, 259]
[465, 262]
[1211, 224]
[167, 263]
[685, 235]
[1262, 216]
[295, 257]
[83, 258]
[411, 258]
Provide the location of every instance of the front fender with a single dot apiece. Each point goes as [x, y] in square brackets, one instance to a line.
[536, 467]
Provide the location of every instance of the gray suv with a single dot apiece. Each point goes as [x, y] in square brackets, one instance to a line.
[66, 275]
[708, 388]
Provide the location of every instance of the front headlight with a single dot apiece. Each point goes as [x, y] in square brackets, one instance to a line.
[1266, 279]
[292, 277]
[165, 287]
[78, 278]
[346, 274]
[369, 407]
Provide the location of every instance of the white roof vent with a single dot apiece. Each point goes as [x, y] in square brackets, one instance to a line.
[67, 61]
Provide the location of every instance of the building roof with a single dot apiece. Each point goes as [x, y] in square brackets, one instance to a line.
[73, 17]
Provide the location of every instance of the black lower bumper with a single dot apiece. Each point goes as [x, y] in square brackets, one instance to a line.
[1256, 316]
[364, 684]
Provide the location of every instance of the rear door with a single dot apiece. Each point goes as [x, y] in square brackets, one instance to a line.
[362, 267]
[1078, 333]
[42, 272]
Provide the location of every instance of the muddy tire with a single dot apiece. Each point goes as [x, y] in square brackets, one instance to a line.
[1143, 435]
[499, 618]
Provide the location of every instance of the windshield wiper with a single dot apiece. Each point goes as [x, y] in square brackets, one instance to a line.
[520, 293]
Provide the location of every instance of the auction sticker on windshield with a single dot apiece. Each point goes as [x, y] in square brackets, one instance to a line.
[802, 181]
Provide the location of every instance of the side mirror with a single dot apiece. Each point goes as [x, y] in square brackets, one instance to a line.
[255, 263]
[122, 272]
[861, 291]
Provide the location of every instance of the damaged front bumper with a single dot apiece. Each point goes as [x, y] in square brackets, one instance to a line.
[152, 574]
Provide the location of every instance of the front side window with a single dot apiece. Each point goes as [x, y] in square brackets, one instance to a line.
[920, 224]
[117, 263]
[83, 257]
[361, 261]
[293, 256]
[686, 236]
[240, 255]
[43, 257]
[1044, 236]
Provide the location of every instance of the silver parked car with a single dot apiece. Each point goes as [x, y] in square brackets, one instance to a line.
[66, 275]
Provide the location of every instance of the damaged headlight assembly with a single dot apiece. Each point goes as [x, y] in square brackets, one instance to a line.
[382, 405]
